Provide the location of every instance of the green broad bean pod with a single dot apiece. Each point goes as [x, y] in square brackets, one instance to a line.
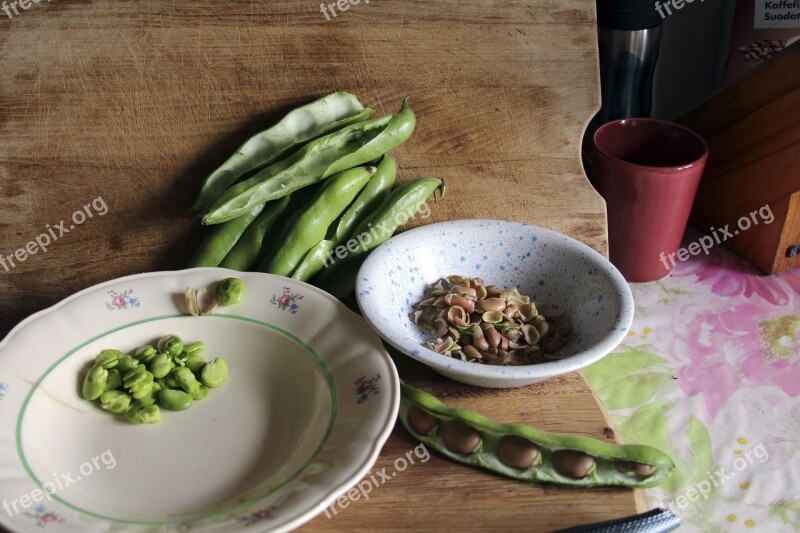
[244, 254]
[374, 230]
[314, 261]
[312, 225]
[222, 238]
[372, 196]
[298, 127]
[525, 453]
[347, 148]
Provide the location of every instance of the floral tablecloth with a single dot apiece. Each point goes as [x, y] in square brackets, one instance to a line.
[710, 373]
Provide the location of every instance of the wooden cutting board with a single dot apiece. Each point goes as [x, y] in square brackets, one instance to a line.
[133, 103]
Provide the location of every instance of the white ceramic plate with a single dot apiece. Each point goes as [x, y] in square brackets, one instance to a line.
[311, 398]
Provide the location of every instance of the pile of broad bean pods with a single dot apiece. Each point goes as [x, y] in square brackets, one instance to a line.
[311, 196]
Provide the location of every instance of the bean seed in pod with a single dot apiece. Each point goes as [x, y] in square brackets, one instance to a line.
[421, 420]
[517, 452]
[175, 400]
[633, 468]
[460, 437]
[572, 463]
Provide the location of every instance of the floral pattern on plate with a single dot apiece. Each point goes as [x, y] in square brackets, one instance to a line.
[287, 300]
[122, 300]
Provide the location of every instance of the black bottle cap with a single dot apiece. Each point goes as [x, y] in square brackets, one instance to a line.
[629, 15]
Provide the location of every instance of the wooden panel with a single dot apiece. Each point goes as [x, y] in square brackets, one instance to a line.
[753, 132]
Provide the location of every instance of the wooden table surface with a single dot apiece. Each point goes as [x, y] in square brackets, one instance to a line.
[131, 104]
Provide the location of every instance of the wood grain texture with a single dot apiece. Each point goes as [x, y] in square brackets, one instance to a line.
[437, 494]
[136, 102]
[753, 132]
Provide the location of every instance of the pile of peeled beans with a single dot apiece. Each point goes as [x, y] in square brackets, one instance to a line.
[525, 453]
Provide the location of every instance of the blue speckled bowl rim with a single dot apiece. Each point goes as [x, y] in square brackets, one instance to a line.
[586, 357]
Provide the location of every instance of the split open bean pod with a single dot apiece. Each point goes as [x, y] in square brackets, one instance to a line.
[525, 453]
[298, 126]
[319, 159]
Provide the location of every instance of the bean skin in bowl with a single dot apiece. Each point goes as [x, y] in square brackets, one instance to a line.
[481, 323]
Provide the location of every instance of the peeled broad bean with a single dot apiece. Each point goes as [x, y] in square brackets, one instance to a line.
[94, 383]
[170, 344]
[115, 401]
[143, 414]
[126, 364]
[229, 291]
[171, 376]
[145, 354]
[114, 380]
[195, 363]
[214, 373]
[196, 348]
[200, 394]
[109, 358]
[137, 379]
[161, 365]
[152, 395]
[175, 400]
[185, 378]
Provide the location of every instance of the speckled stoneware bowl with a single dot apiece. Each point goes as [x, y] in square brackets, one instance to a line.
[543, 264]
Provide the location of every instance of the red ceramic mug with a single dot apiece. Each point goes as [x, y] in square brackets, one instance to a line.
[648, 171]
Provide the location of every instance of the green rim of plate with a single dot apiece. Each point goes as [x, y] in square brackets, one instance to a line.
[193, 518]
